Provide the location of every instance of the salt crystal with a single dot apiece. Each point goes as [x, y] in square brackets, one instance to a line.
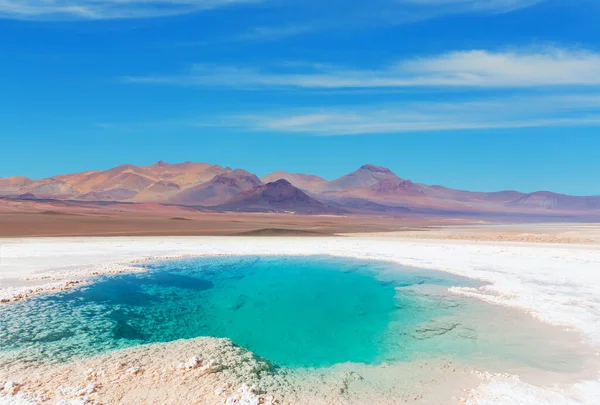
[245, 396]
[190, 364]
[11, 387]
[208, 365]
[89, 389]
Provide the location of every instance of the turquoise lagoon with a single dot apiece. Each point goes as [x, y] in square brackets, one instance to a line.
[293, 311]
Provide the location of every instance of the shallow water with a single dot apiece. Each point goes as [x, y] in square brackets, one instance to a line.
[293, 311]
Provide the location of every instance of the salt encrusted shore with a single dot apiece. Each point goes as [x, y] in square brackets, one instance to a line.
[559, 284]
[54, 281]
[214, 371]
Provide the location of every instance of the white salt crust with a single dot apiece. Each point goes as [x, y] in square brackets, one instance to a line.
[559, 284]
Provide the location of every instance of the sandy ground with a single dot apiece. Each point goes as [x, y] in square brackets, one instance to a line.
[213, 371]
[572, 233]
[58, 219]
[558, 283]
[55, 218]
[63, 218]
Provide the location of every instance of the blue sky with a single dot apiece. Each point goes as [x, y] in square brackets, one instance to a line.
[472, 94]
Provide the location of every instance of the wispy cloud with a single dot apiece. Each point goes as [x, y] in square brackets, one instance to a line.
[495, 6]
[265, 33]
[308, 16]
[510, 112]
[105, 9]
[475, 68]
[538, 111]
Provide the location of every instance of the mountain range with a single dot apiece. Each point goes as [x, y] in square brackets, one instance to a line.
[368, 190]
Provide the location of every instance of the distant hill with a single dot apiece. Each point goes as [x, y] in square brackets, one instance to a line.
[16, 181]
[308, 182]
[156, 182]
[218, 190]
[278, 196]
[280, 232]
[403, 187]
[370, 189]
[365, 176]
[552, 201]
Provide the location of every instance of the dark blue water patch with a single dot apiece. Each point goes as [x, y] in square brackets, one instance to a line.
[294, 311]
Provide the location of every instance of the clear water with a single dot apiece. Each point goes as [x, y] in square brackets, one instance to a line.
[293, 311]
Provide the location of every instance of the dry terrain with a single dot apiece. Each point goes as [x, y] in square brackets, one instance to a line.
[64, 218]
[557, 283]
[571, 233]
[369, 190]
[35, 218]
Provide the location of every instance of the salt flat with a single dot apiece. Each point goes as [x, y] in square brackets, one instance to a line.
[557, 283]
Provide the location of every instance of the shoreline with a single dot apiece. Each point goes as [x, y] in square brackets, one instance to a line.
[212, 371]
[18, 284]
[503, 265]
[75, 271]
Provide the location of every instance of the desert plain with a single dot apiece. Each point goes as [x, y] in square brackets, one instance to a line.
[546, 272]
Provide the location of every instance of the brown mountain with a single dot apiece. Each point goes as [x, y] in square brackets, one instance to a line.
[445, 193]
[391, 191]
[365, 176]
[147, 183]
[551, 201]
[16, 181]
[278, 196]
[404, 187]
[218, 190]
[314, 184]
[369, 189]
[156, 182]
[388, 192]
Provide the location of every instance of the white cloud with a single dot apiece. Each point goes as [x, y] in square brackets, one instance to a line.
[475, 68]
[308, 15]
[265, 33]
[513, 69]
[105, 9]
[510, 112]
[317, 15]
[497, 6]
